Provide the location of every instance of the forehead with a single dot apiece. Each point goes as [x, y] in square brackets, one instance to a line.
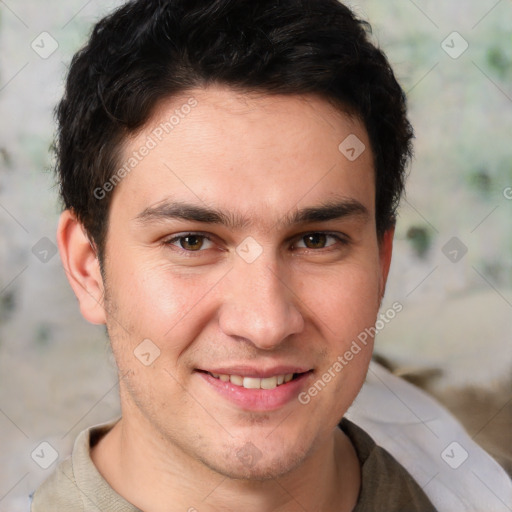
[248, 152]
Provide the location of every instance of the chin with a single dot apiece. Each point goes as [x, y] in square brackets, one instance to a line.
[261, 472]
[249, 463]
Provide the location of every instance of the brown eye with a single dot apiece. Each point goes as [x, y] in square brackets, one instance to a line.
[315, 240]
[191, 242]
[319, 240]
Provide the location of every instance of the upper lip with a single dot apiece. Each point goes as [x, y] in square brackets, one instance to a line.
[252, 371]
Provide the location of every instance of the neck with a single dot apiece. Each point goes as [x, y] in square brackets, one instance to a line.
[151, 473]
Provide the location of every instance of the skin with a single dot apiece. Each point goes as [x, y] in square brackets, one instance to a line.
[259, 158]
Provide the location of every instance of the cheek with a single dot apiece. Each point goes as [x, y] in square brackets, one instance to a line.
[344, 301]
[164, 304]
[343, 306]
[152, 302]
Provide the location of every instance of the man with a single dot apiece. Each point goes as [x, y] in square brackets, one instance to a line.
[230, 171]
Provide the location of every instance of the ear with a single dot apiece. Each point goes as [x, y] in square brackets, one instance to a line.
[82, 267]
[385, 252]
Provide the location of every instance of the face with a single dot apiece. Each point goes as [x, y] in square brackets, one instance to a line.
[242, 248]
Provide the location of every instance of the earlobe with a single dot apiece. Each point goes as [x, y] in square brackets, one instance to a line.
[385, 253]
[82, 267]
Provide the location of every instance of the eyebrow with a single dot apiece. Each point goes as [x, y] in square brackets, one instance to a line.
[168, 210]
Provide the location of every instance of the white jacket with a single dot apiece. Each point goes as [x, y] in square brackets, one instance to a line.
[455, 473]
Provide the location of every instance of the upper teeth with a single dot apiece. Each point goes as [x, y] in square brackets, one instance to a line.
[254, 382]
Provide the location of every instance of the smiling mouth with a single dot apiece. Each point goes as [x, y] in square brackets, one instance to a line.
[255, 382]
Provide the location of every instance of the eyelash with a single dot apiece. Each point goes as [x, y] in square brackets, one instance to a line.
[340, 239]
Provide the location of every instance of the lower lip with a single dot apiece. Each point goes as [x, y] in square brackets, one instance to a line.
[258, 399]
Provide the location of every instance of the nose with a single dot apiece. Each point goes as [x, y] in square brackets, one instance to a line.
[259, 306]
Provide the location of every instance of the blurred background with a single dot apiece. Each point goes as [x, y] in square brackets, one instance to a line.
[452, 267]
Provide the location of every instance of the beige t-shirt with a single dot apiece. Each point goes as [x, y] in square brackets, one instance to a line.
[77, 486]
